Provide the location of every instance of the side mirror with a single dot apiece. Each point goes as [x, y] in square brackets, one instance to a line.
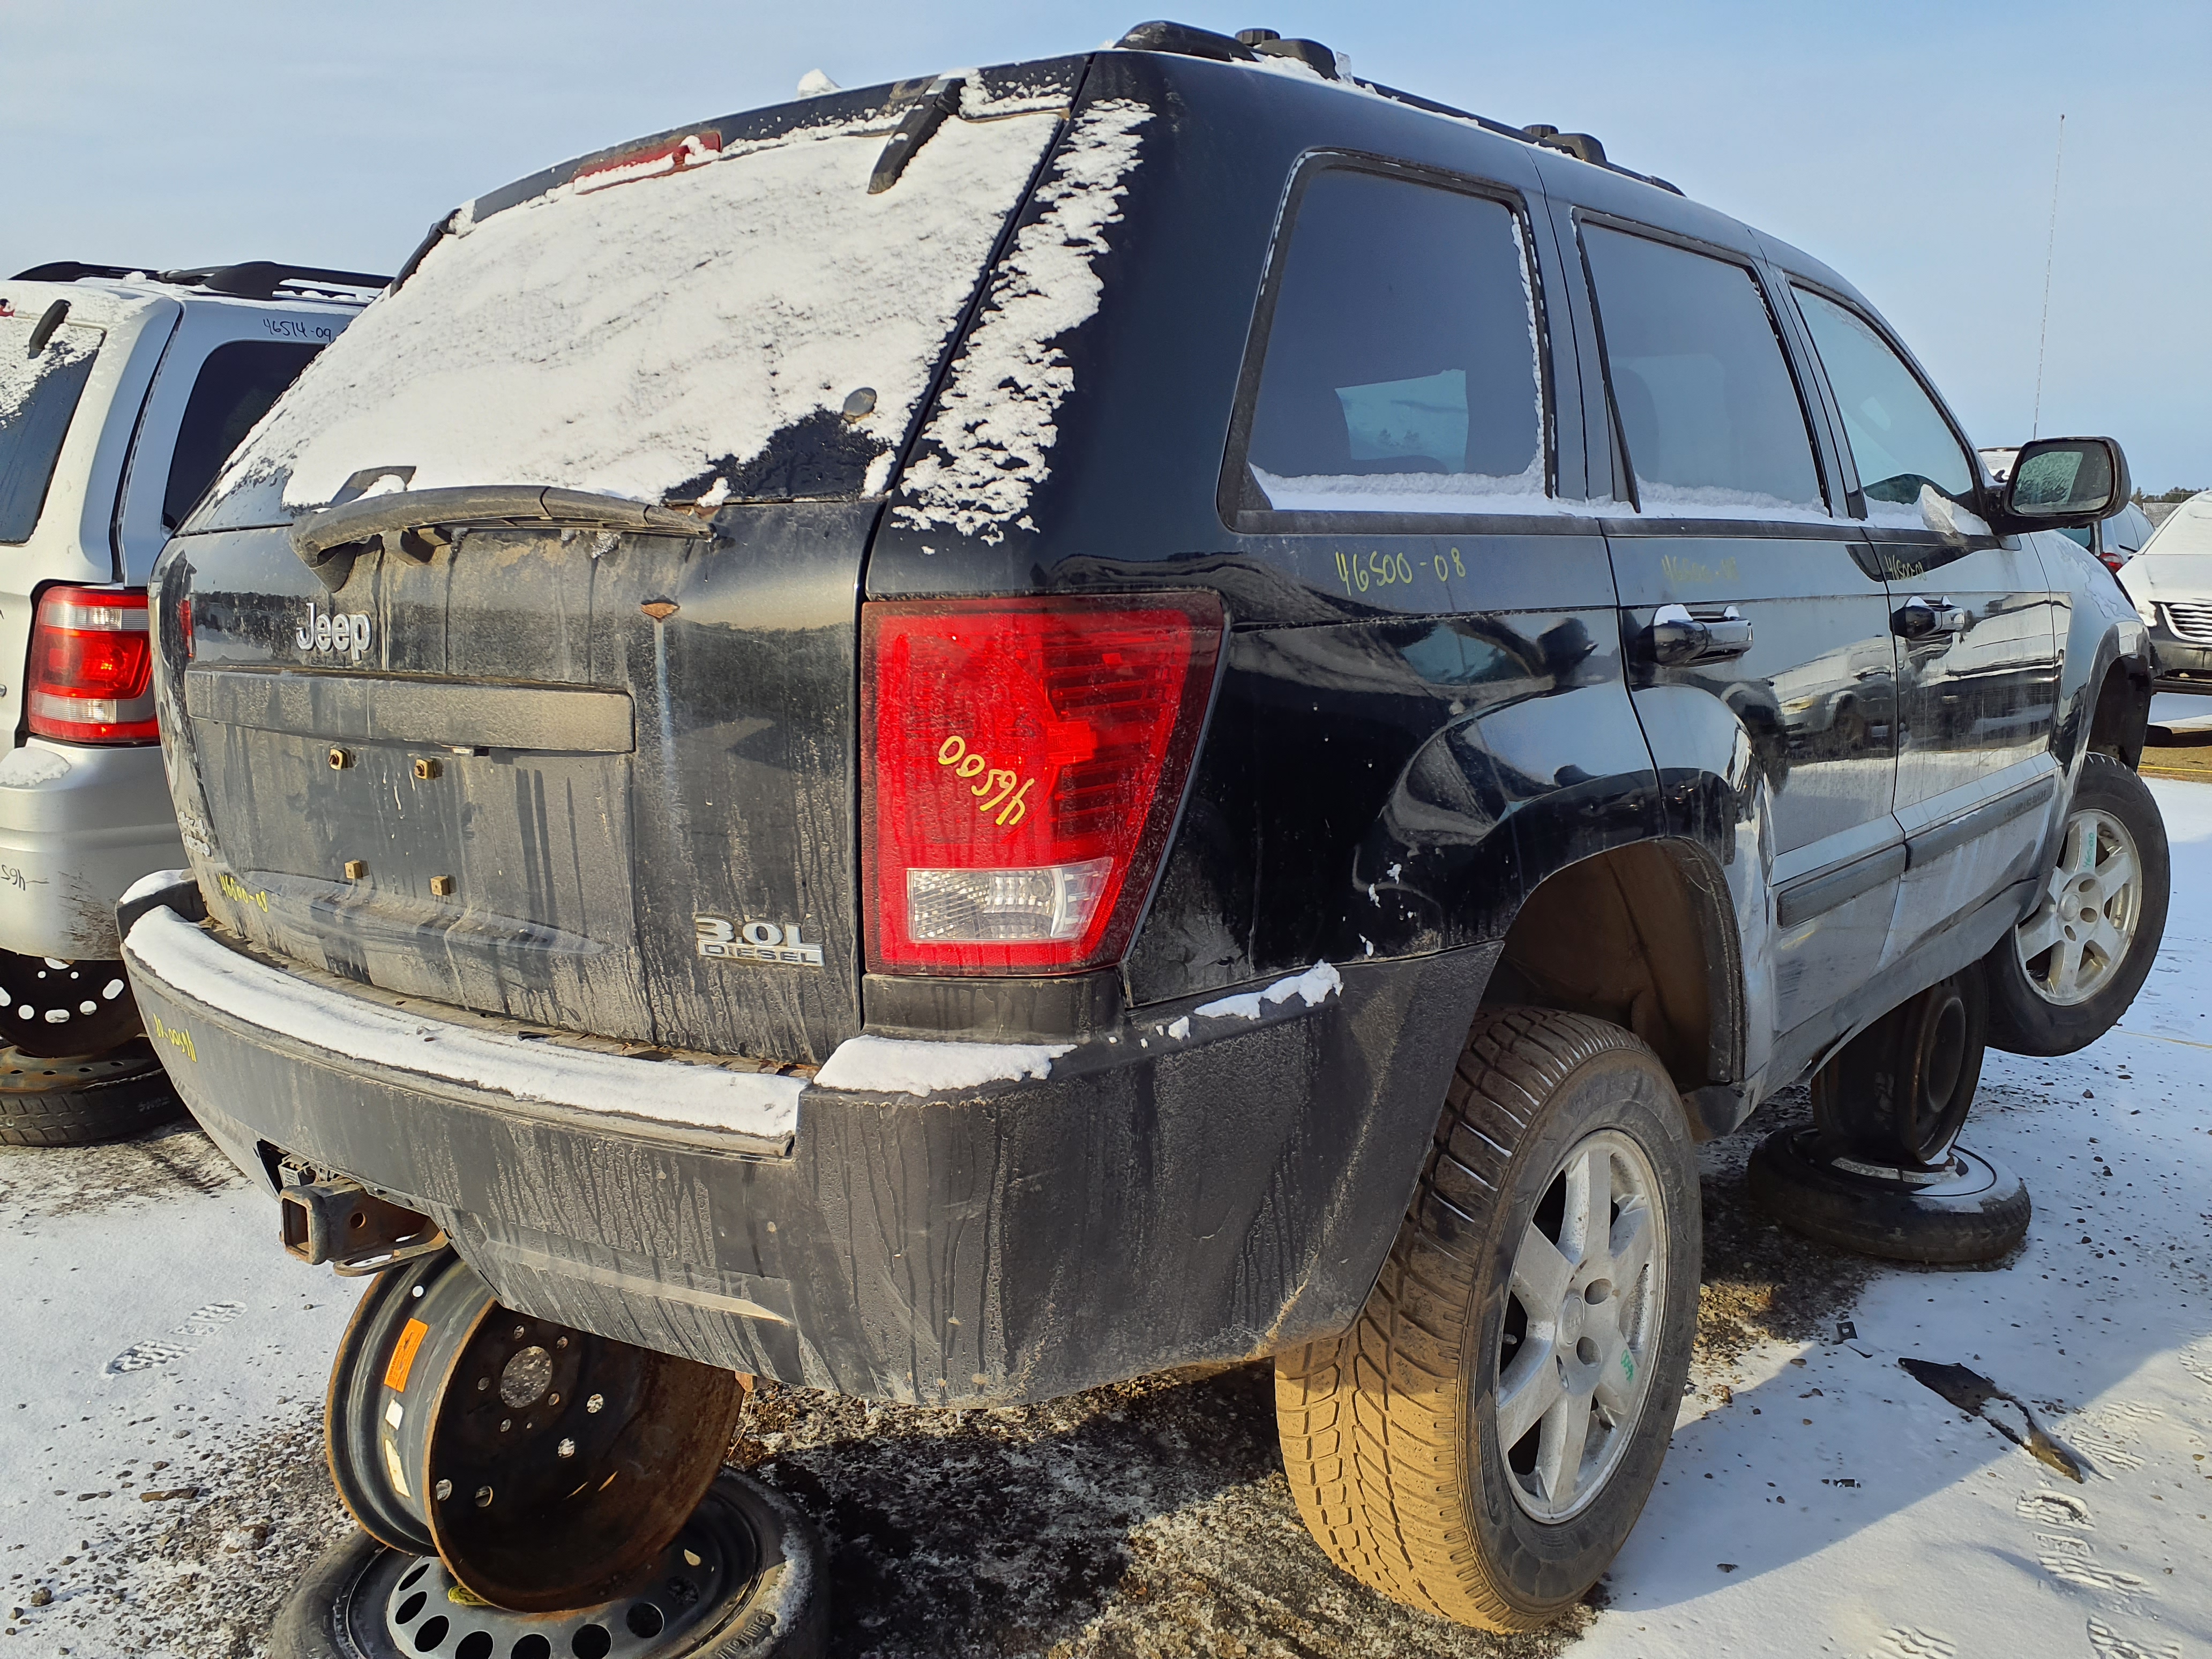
[2065, 483]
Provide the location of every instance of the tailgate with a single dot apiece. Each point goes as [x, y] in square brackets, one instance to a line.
[593, 763]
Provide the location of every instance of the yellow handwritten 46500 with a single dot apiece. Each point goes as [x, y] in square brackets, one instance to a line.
[997, 791]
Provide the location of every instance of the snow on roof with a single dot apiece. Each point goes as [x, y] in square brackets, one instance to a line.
[630, 337]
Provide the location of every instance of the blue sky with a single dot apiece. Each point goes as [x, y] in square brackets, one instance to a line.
[1911, 146]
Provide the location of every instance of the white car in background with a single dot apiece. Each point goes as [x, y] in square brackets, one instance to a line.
[2171, 583]
[121, 394]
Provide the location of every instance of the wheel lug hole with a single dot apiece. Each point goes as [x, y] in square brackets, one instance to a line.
[483, 1497]
[1597, 1291]
[1586, 1351]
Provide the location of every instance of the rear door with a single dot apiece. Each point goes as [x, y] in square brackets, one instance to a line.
[1973, 620]
[551, 766]
[1756, 625]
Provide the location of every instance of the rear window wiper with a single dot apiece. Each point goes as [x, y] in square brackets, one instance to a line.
[415, 523]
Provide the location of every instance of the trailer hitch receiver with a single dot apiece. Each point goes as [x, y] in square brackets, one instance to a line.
[343, 1223]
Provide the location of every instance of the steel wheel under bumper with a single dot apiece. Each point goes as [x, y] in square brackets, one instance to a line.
[543, 1464]
[742, 1579]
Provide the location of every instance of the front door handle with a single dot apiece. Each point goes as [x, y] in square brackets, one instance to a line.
[1676, 639]
[1918, 618]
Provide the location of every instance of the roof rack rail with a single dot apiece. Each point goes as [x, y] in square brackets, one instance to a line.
[255, 279]
[1248, 45]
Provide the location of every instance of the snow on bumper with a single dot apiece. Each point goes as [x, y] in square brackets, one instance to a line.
[185, 966]
[974, 1225]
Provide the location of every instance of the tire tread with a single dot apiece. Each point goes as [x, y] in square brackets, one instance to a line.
[1372, 1423]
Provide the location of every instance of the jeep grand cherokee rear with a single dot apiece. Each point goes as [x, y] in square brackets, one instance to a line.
[956, 741]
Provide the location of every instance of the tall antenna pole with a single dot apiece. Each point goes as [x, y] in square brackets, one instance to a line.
[2050, 252]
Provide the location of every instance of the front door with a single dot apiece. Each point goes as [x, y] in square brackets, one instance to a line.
[1972, 618]
[1755, 622]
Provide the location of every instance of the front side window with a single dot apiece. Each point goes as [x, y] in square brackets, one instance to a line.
[1709, 412]
[1401, 373]
[38, 398]
[236, 385]
[1900, 442]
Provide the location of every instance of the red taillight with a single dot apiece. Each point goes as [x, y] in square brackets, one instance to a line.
[2113, 561]
[1022, 762]
[92, 667]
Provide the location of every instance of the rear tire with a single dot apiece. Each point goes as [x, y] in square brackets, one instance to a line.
[1390, 1433]
[2058, 982]
[82, 1101]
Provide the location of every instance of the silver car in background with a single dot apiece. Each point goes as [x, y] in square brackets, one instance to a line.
[2171, 582]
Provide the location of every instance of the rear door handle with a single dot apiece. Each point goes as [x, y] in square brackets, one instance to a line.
[1918, 618]
[1676, 639]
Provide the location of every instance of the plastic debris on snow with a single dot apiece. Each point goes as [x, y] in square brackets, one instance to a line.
[762, 1106]
[695, 313]
[876, 1065]
[1314, 987]
[985, 448]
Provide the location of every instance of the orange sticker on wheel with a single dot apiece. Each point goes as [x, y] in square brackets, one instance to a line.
[403, 1356]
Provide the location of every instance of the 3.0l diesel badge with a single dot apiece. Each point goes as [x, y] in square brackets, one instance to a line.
[755, 941]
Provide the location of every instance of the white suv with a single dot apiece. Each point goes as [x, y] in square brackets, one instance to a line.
[121, 394]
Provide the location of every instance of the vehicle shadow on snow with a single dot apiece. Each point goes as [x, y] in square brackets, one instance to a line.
[1150, 1518]
[1764, 1283]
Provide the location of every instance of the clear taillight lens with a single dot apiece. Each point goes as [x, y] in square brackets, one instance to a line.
[1024, 760]
[92, 667]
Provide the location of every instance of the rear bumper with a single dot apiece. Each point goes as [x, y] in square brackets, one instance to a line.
[78, 826]
[1190, 1187]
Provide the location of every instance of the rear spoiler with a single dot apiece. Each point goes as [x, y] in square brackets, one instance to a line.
[415, 523]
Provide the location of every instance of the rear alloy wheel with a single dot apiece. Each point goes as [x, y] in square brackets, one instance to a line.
[1480, 1443]
[2063, 977]
[51, 1008]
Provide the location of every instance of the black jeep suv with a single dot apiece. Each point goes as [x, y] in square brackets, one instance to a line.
[958, 740]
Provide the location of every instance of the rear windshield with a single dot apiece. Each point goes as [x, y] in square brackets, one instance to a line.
[38, 396]
[236, 385]
[730, 320]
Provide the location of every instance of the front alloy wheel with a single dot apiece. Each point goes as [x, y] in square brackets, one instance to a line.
[2077, 941]
[2063, 976]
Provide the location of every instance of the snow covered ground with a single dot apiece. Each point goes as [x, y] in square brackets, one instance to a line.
[161, 1367]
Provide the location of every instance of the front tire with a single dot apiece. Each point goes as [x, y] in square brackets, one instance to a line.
[2063, 977]
[1518, 1293]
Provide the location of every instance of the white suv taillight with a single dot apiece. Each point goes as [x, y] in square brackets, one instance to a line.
[1023, 761]
[92, 667]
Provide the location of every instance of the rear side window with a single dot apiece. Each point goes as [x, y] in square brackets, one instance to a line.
[1401, 371]
[1900, 442]
[38, 398]
[1708, 408]
[237, 384]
